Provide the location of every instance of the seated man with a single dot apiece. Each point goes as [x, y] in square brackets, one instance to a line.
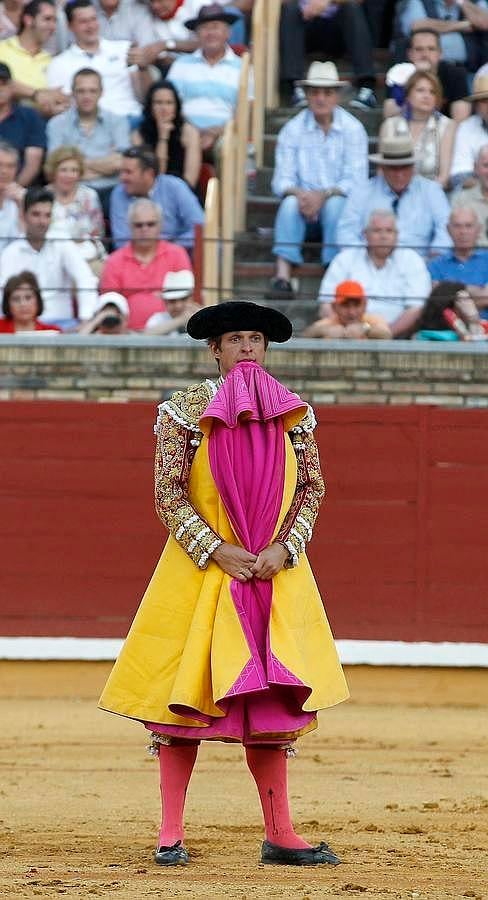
[27, 59]
[120, 20]
[464, 262]
[124, 86]
[327, 28]
[395, 279]
[110, 317]
[471, 135]
[57, 265]
[208, 79]
[424, 52]
[176, 293]
[476, 197]
[22, 128]
[461, 26]
[348, 319]
[10, 226]
[138, 269]
[100, 134]
[321, 156]
[419, 204]
[179, 207]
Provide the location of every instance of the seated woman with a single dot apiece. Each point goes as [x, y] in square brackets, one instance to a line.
[450, 314]
[77, 211]
[432, 133]
[175, 142]
[22, 305]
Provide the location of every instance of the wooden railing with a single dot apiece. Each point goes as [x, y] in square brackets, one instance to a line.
[225, 207]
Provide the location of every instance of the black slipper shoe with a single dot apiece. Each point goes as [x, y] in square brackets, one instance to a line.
[176, 855]
[272, 854]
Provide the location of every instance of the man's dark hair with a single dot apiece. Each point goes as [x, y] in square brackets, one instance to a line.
[146, 157]
[37, 195]
[73, 5]
[86, 71]
[423, 31]
[32, 9]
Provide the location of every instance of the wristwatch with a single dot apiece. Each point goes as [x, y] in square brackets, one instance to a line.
[170, 45]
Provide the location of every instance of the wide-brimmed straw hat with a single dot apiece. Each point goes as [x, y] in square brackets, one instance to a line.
[480, 89]
[212, 13]
[395, 145]
[239, 315]
[324, 75]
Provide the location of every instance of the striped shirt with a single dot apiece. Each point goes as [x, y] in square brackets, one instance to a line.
[209, 92]
[308, 158]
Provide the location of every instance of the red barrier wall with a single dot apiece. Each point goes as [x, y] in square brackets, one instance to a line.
[399, 552]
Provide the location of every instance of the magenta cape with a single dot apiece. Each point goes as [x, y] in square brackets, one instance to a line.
[247, 460]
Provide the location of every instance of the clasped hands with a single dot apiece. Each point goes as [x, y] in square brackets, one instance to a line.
[242, 565]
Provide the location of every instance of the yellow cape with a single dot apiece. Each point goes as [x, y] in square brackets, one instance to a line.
[186, 646]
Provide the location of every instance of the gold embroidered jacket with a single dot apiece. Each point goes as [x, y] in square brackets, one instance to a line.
[178, 436]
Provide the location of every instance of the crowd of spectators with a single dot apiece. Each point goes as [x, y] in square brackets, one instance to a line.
[109, 109]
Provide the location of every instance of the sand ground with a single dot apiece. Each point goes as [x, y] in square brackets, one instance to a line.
[396, 780]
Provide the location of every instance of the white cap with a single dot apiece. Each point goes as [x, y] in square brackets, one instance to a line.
[178, 285]
[115, 299]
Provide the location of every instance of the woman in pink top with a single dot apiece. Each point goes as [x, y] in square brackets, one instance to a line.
[137, 270]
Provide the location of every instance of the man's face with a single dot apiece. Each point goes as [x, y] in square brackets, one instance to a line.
[349, 311]
[84, 25]
[8, 168]
[398, 177]
[6, 92]
[162, 8]
[322, 101]
[481, 107]
[136, 180]
[464, 229]
[425, 52]
[481, 169]
[44, 24]
[87, 91]
[37, 221]
[145, 227]
[237, 346]
[176, 307]
[109, 6]
[381, 235]
[213, 37]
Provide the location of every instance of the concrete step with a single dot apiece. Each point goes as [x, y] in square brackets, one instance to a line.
[252, 281]
[255, 246]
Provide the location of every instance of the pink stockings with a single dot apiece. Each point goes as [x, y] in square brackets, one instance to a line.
[268, 766]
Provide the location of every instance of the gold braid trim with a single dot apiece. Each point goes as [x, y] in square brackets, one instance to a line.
[298, 525]
[178, 437]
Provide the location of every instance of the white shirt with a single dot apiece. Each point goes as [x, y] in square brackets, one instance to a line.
[57, 266]
[150, 29]
[110, 61]
[9, 219]
[401, 283]
[470, 137]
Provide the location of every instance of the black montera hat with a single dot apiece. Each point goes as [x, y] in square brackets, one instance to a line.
[239, 315]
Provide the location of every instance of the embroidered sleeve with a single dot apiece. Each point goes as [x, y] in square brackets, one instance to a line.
[299, 521]
[175, 450]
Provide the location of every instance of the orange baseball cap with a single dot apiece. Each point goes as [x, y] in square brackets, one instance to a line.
[349, 290]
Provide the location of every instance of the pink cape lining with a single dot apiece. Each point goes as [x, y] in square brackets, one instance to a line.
[247, 459]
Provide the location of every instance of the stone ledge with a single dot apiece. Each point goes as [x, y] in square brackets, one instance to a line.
[137, 367]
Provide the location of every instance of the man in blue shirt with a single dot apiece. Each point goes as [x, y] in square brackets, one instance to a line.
[139, 177]
[22, 128]
[419, 204]
[464, 262]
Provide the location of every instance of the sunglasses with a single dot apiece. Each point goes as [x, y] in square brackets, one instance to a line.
[145, 224]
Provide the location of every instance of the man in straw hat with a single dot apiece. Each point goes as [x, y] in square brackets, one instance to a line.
[231, 641]
[321, 154]
[328, 29]
[419, 204]
[472, 134]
